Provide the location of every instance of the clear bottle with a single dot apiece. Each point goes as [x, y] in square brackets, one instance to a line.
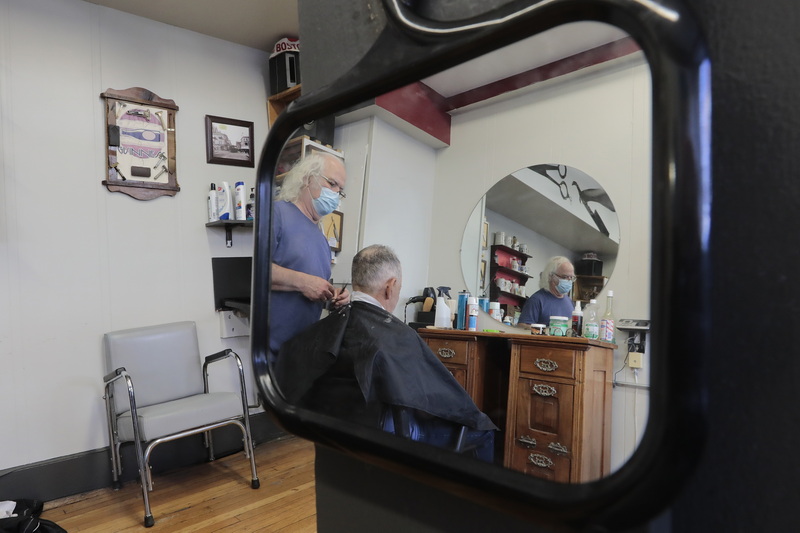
[577, 319]
[607, 322]
[591, 322]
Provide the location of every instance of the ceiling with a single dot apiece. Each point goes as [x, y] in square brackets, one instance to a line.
[254, 23]
[261, 23]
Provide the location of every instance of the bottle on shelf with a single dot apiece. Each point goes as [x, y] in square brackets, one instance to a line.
[607, 322]
[240, 201]
[577, 319]
[250, 209]
[591, 323]
[213, 205]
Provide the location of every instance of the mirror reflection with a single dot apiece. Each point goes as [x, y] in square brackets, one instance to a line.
[548, 141]
[526, 218]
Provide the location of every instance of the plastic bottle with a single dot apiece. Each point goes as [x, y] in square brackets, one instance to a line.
[461, 315]
[591, 322]
[213, 205]
[250, 209]
[472, 313]
[241, 201]
[577, 319]
[225, 200]
[607, 322]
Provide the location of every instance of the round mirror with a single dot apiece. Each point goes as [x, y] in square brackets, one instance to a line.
[528, 217]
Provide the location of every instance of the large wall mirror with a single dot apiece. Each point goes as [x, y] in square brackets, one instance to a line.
[552, 140]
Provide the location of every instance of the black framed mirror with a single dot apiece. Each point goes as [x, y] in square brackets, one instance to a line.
[678, 272]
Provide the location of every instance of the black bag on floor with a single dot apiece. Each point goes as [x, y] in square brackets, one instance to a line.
[27, 519]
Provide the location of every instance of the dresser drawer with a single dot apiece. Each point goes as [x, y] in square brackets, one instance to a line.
[450, 351]
[547, 361]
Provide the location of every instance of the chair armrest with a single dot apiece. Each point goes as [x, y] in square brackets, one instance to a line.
[113, 376]
[218, 356]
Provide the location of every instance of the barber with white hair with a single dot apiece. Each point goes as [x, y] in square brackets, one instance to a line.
[552, 298]
[301, 257]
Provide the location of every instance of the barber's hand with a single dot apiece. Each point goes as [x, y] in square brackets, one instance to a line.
[317, 289]
[341, 298]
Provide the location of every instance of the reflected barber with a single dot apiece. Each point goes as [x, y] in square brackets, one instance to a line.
[552, 298]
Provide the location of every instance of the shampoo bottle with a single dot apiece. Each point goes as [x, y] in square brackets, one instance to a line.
[250, 209]
[213, 205]
[241, 200]
[225, 200]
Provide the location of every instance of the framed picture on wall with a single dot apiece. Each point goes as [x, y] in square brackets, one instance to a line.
[332, 228]
[485, 234]
[228, 141]
[140, 143]
[483, 273]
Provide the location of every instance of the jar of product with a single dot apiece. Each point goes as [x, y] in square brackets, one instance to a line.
[495, 311]
[507, 320]
[559, 326]
[537, 329]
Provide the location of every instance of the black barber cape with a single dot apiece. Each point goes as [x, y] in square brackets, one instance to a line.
[389, 361]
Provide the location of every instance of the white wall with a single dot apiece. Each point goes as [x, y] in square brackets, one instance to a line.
[75, 259]
[397, 197]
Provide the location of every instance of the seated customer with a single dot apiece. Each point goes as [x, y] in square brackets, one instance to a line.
[364, 365]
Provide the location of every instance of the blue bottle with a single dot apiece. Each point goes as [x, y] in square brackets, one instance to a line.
[461, 317]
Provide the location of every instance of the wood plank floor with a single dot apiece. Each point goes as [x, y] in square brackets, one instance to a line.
[209, 497]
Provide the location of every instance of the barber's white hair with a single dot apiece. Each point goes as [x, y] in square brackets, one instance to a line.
[300, 175]
[373, 266]
[550, 270]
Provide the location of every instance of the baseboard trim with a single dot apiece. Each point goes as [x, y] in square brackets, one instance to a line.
[87, 471]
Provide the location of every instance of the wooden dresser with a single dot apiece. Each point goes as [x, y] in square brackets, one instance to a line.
[550, 397]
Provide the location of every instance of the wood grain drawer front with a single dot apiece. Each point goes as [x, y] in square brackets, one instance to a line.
[460, 373]
[542, 464]
[547, 361]
[450, 351]
[545, 415]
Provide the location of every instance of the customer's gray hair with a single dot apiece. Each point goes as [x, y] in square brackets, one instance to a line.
[373, 266]
[300, 175]
[550, 270]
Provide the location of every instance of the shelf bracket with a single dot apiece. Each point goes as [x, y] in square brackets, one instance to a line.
[228, 236]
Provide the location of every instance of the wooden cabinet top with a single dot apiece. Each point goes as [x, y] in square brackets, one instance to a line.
[575, 343]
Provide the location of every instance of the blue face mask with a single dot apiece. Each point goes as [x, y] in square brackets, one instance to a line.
[564, 286]
[327, 201]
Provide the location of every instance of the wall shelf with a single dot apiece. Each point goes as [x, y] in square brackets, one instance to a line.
[229, 225]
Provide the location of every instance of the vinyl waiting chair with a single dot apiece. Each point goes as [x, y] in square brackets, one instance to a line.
[171, 399]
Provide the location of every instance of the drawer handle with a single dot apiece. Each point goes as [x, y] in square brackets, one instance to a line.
[446, 353]
[544, 390]
[546, 365]
[540, 460]
[558, 448]
[526, 441]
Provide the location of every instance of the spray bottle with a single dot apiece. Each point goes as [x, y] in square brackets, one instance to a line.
[442, 316]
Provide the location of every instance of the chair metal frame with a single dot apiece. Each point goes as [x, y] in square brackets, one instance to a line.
[143, 456]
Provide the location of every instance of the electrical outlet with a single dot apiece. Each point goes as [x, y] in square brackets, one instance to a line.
[635, 359]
